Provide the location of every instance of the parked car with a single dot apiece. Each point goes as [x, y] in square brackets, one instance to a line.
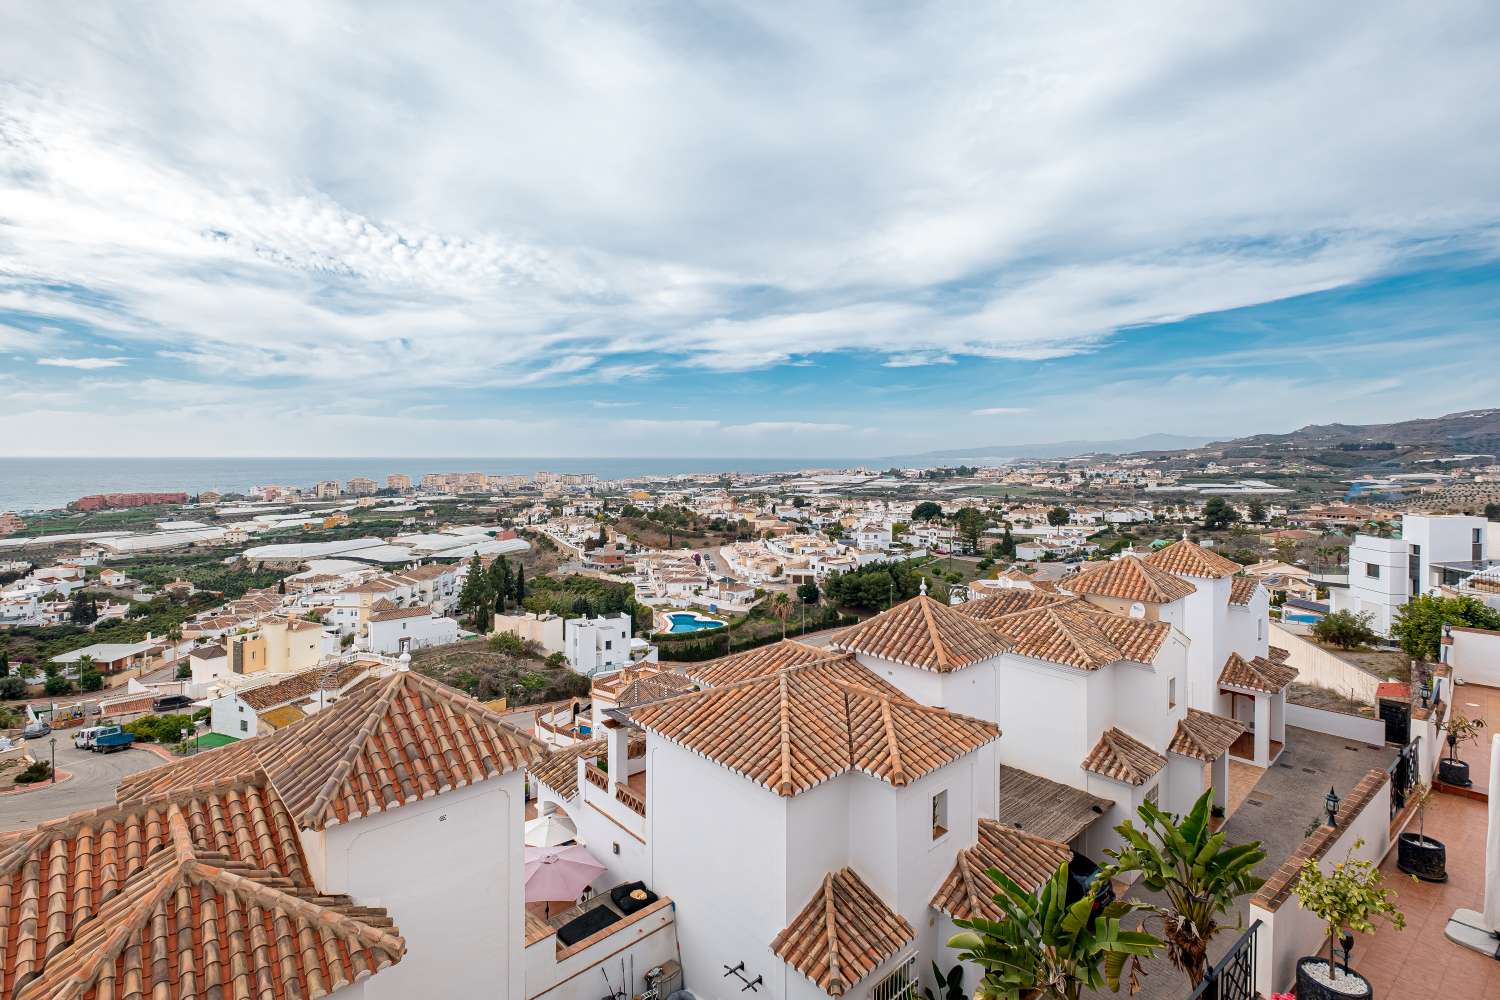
[172, 703]
[84, 738]
[36, 730]
[1081, 876]
[111, 738]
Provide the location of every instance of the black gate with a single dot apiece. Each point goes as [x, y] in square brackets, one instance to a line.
[1397, 718]
[1233, 978]
[1404, 777]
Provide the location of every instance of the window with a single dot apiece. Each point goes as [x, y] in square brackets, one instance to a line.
[1172, 693]
[900, 983]
[940, 814]
[244, 726]
[1372, 571]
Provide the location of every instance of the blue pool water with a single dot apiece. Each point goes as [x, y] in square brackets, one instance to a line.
[1293, 616]
[687, 621]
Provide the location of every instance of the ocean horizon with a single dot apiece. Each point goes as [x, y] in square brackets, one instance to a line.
[36, 484]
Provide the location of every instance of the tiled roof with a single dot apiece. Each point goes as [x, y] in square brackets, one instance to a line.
[923, 633]
[1120, 756]
[653, 687]
[559, 769]
[1242, 589]
[799, 727]
[843, 933]
[1256, 674]
[1006, 601]
[1046, 808]
[275, 718]
[302, 684]
[1129, 578]
[1078, 634]
[417, 611]
[1278, 655]
[1187, 558]
[1204, 735]
[759, 662]
[386, 742]
[212, 652]
[149, 899]
[968, 892]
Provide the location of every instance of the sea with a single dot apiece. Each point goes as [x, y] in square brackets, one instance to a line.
[36, 484]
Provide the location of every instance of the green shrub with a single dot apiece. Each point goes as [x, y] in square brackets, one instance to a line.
[12, 688]
[1344, 629]
[58, 685]
[38, 771]
[159, 728]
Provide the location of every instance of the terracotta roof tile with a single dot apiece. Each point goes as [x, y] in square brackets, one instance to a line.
[1256, 674]
[1187, 558]
[417, 611]
[923, 633]
[759, 662]
[1204, 735]
[1006, 601]
[559, 769]
[1122, 757]
[302, 684]
[801, 726]
[1129, 578]
[1078, 634]
[843, 933]
[1242, 589]
[968, 892]
[1278, 655]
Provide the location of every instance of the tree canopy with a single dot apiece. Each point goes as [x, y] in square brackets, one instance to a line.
[1418, 626]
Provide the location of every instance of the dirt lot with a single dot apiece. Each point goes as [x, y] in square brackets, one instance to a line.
[1330, 701]
[485, 673]
[652, 535]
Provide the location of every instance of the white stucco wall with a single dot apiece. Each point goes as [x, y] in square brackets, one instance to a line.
[1475, 656]
[1036, 734]
[1349, 727]
[1321, 668]
[463, 923]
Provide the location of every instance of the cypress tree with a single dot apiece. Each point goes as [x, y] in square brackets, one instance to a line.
[520, 584]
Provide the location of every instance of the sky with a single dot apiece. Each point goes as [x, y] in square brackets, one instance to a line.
[759, 229]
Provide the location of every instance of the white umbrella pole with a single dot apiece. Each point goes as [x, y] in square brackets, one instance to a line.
[1492, 843]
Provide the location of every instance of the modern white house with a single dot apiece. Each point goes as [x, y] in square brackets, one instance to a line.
[1433, 551]
[598, 645]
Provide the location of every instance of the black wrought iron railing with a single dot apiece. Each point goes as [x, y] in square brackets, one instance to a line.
[1404, 776]
[1233, 977]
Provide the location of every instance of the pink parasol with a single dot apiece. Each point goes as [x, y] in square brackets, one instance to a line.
[559, 873]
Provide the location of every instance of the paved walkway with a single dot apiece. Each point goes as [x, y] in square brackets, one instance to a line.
[1277, 811]
[1476, 701]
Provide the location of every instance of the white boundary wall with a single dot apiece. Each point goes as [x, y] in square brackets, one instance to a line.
[1321, 668]
[1348, 727]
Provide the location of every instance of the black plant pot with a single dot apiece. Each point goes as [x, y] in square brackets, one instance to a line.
[1309, 988]
[1423, 857]
[1454, 772]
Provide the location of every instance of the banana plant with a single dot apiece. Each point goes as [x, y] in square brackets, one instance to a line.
[1047, 946]
[1198, 872]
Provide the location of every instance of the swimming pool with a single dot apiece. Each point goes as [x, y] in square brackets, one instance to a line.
[689, 621]
[1293, 616]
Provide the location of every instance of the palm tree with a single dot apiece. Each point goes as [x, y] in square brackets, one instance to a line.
[1046, 946]
[1201, 877]
[781, 608]
[174, 636]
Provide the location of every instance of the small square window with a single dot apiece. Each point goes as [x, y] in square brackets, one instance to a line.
[939, 814]
[1372, 570]
[244, 726]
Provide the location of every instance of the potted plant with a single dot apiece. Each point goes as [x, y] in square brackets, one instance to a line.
[1350, 897]
[1418, 854]
[1458, 730]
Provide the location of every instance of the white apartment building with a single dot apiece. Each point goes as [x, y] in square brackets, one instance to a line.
[1433, 551]
[404, 630]
[597, 645]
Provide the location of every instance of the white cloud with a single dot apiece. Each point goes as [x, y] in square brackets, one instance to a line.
[999, 411]
[556, 196]
[87, 364]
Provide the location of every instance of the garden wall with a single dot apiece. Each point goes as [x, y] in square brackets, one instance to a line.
[1317, 666]
[1288, 932]
[1474, 655]
[1348, 727]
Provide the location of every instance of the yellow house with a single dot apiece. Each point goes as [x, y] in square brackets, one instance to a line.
[278, 646]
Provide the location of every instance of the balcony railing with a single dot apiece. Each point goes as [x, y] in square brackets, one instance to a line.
[596, 777]
[632, 798]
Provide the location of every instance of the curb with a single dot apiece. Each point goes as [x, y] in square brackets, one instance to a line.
[63, 777]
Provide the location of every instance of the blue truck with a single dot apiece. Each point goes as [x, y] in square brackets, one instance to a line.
[111, 738]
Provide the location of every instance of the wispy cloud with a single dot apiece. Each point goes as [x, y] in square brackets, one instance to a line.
[87, 364]
[1000, 411]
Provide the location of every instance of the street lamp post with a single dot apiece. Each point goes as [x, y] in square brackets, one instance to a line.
[53, 741]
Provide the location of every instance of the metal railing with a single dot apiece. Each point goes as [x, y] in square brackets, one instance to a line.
[1404, 777]
[900, 983]
[1233, 977]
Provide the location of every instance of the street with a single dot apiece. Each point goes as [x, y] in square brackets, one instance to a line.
[95, 776]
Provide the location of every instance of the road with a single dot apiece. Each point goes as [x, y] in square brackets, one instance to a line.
[95, 776]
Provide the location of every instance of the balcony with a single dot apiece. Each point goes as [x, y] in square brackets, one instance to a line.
[623, 803]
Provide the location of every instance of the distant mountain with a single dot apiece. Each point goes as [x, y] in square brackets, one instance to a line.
[1057, 449]
[1456, 433]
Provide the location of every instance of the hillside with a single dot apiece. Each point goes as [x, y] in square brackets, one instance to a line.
[1472, 431]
